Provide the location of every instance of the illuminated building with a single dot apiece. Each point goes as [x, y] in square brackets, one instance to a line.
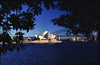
[45, 35]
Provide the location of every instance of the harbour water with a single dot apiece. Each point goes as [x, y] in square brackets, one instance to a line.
[65, 53]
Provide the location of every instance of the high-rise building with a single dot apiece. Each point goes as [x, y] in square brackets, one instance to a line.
[77, 38]
[95, 36]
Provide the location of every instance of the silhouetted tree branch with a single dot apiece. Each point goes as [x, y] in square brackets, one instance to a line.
[21, 19]
[83, 17]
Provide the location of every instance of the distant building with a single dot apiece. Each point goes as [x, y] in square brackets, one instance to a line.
[73, 39]
[77, 38]
[95, 36]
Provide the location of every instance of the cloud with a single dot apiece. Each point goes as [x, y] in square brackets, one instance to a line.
[37, 32]
[27, 34]
[34, 33]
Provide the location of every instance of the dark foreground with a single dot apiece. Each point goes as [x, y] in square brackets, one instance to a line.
[66, 53]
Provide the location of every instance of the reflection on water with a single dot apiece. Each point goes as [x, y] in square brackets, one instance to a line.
[53, 54]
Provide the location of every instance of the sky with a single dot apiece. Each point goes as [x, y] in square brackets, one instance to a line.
[43, 22]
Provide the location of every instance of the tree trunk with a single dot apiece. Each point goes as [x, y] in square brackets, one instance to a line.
[3, 44]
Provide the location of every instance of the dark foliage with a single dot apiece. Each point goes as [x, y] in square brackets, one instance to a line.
[83, 18]
[4, 37]
[20, 20]
[23, 20]
[11, 47]
[20, 35]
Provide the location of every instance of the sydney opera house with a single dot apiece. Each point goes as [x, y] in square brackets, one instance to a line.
[45, 36]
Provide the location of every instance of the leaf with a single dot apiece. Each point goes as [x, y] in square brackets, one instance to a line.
[32, 9]
[27, 30]
[23, 3]
[48, 7]
[28, 10]
[36, 12]
[34, 19]
[16, 28]
[40, 11]
[18, 49]
[52, 5]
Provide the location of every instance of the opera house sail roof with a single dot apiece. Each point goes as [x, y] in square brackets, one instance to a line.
[49, 36]
[45, 35]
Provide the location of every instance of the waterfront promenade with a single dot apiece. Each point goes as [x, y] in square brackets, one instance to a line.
[42, 41]
[39, 41]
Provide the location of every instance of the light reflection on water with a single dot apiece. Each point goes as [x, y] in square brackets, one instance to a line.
[53, 54]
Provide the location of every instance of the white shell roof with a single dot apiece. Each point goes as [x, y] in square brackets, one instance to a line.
[44, 33]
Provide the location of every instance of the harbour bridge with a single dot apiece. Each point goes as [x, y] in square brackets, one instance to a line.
[64, 30]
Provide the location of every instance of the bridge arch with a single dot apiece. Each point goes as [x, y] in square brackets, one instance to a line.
[59, 31]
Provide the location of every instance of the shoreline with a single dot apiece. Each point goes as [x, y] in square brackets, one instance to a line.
[38, 41]
[42, 41]
[34, 42]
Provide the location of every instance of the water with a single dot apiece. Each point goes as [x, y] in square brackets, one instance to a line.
[65, 53]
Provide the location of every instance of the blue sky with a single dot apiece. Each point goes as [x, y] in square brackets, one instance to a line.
[43, 22]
